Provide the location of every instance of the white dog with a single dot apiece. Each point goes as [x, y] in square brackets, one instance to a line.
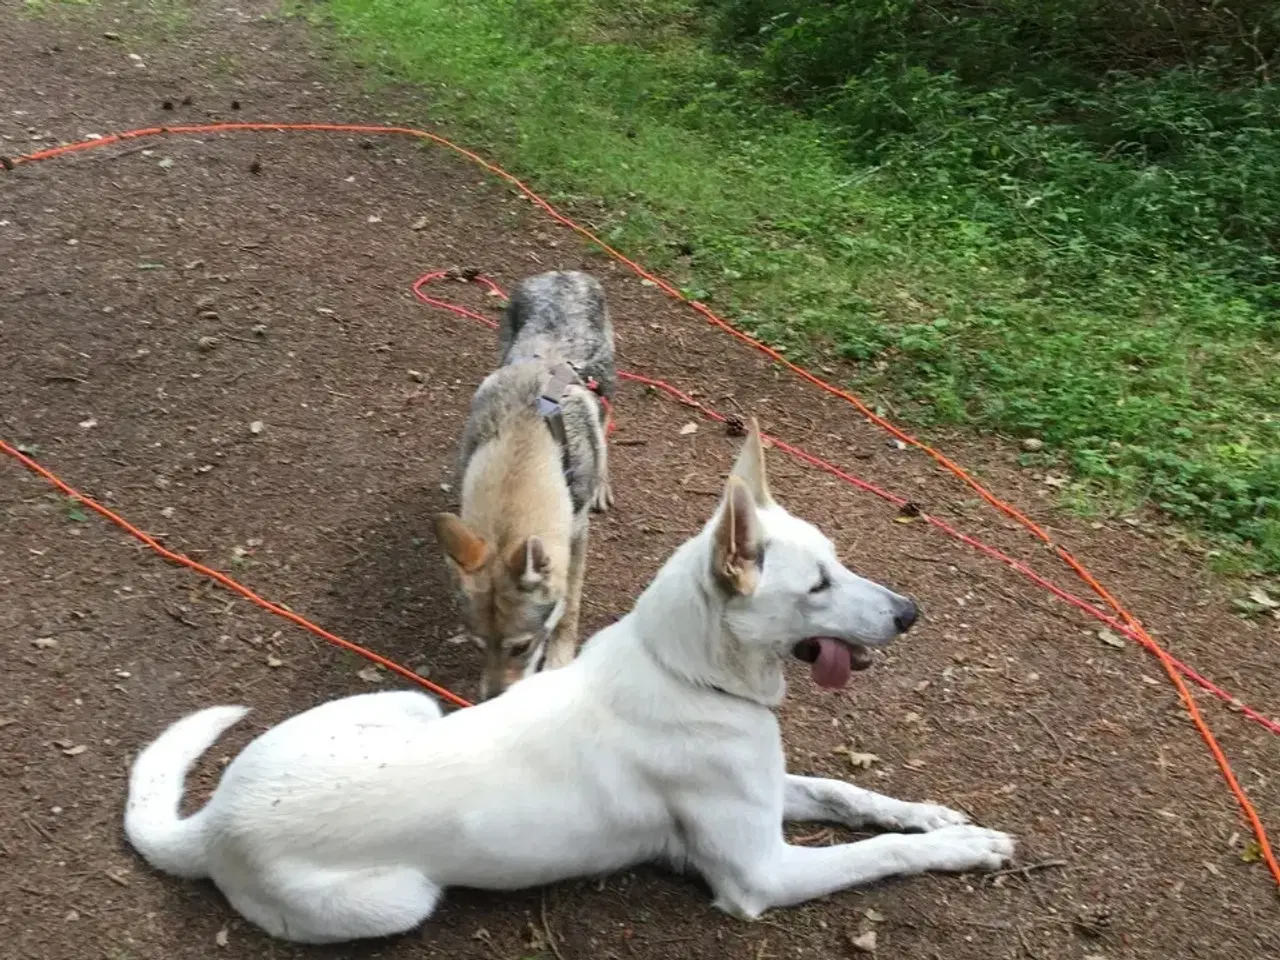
[658, 743]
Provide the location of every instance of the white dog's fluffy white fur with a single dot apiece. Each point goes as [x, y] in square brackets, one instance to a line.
[658, 743]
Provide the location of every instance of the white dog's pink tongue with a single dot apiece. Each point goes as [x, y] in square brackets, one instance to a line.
[831, 669]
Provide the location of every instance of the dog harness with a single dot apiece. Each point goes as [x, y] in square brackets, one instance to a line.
[561, 377]
[550, 407]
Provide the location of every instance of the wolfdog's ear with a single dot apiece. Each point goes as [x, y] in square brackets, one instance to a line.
[529, 563]
[736, 552]
[464, 548]
[750, 467]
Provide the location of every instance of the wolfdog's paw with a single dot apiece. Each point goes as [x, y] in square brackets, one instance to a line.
[927, 817]
[604, 496]
[963, 848]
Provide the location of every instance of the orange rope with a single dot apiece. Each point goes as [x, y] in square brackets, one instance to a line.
[226, 581]
[1066, 556]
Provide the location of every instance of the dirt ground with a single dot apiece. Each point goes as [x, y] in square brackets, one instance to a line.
[159, 298]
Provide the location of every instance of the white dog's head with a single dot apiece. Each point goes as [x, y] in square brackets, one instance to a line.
[785, 591]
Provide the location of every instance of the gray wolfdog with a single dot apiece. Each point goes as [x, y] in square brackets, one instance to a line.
[534, 465]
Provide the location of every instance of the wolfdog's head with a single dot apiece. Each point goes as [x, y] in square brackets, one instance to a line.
[511, 600]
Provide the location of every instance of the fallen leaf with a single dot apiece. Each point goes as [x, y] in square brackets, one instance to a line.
[78, 515]
[75, 751]
[1260, 597]
[688, 428]
[256, 427]
[859, 761]
[274, 662]
[875, 916]
[1111, 639]
[1252, 852]
[865, 943]
[370, 675]
[222, 937]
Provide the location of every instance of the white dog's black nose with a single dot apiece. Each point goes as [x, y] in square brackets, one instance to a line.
[905, 614]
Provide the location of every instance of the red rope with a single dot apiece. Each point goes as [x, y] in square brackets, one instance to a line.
[1133, 627]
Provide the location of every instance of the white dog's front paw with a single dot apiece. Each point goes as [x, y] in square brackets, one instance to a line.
[960, 849]
[927, 817]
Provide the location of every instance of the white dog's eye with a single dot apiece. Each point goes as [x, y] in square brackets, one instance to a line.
[823, 584]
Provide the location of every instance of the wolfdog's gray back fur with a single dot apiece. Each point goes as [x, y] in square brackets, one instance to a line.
[550, 318]
[560, 316]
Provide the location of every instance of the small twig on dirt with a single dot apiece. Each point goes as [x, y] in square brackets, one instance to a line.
[1029, 868]
[64, 378]
[116, 878]
[633, 442]
[178, 615]
[1001, 927]
[1022, 937]
[546, 929]
[1062, 751]
[112, 154]
[813, 425]
[826, 834]
[1091, 758]
[40, 830]
[344, 396]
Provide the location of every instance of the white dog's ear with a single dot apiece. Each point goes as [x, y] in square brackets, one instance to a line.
[750, 467]
[463, 547]
[735, 555]
[529, 563]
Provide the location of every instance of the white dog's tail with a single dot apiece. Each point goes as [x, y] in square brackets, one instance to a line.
[151, 822]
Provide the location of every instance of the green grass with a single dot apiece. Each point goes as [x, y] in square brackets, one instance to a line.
[985, 265]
